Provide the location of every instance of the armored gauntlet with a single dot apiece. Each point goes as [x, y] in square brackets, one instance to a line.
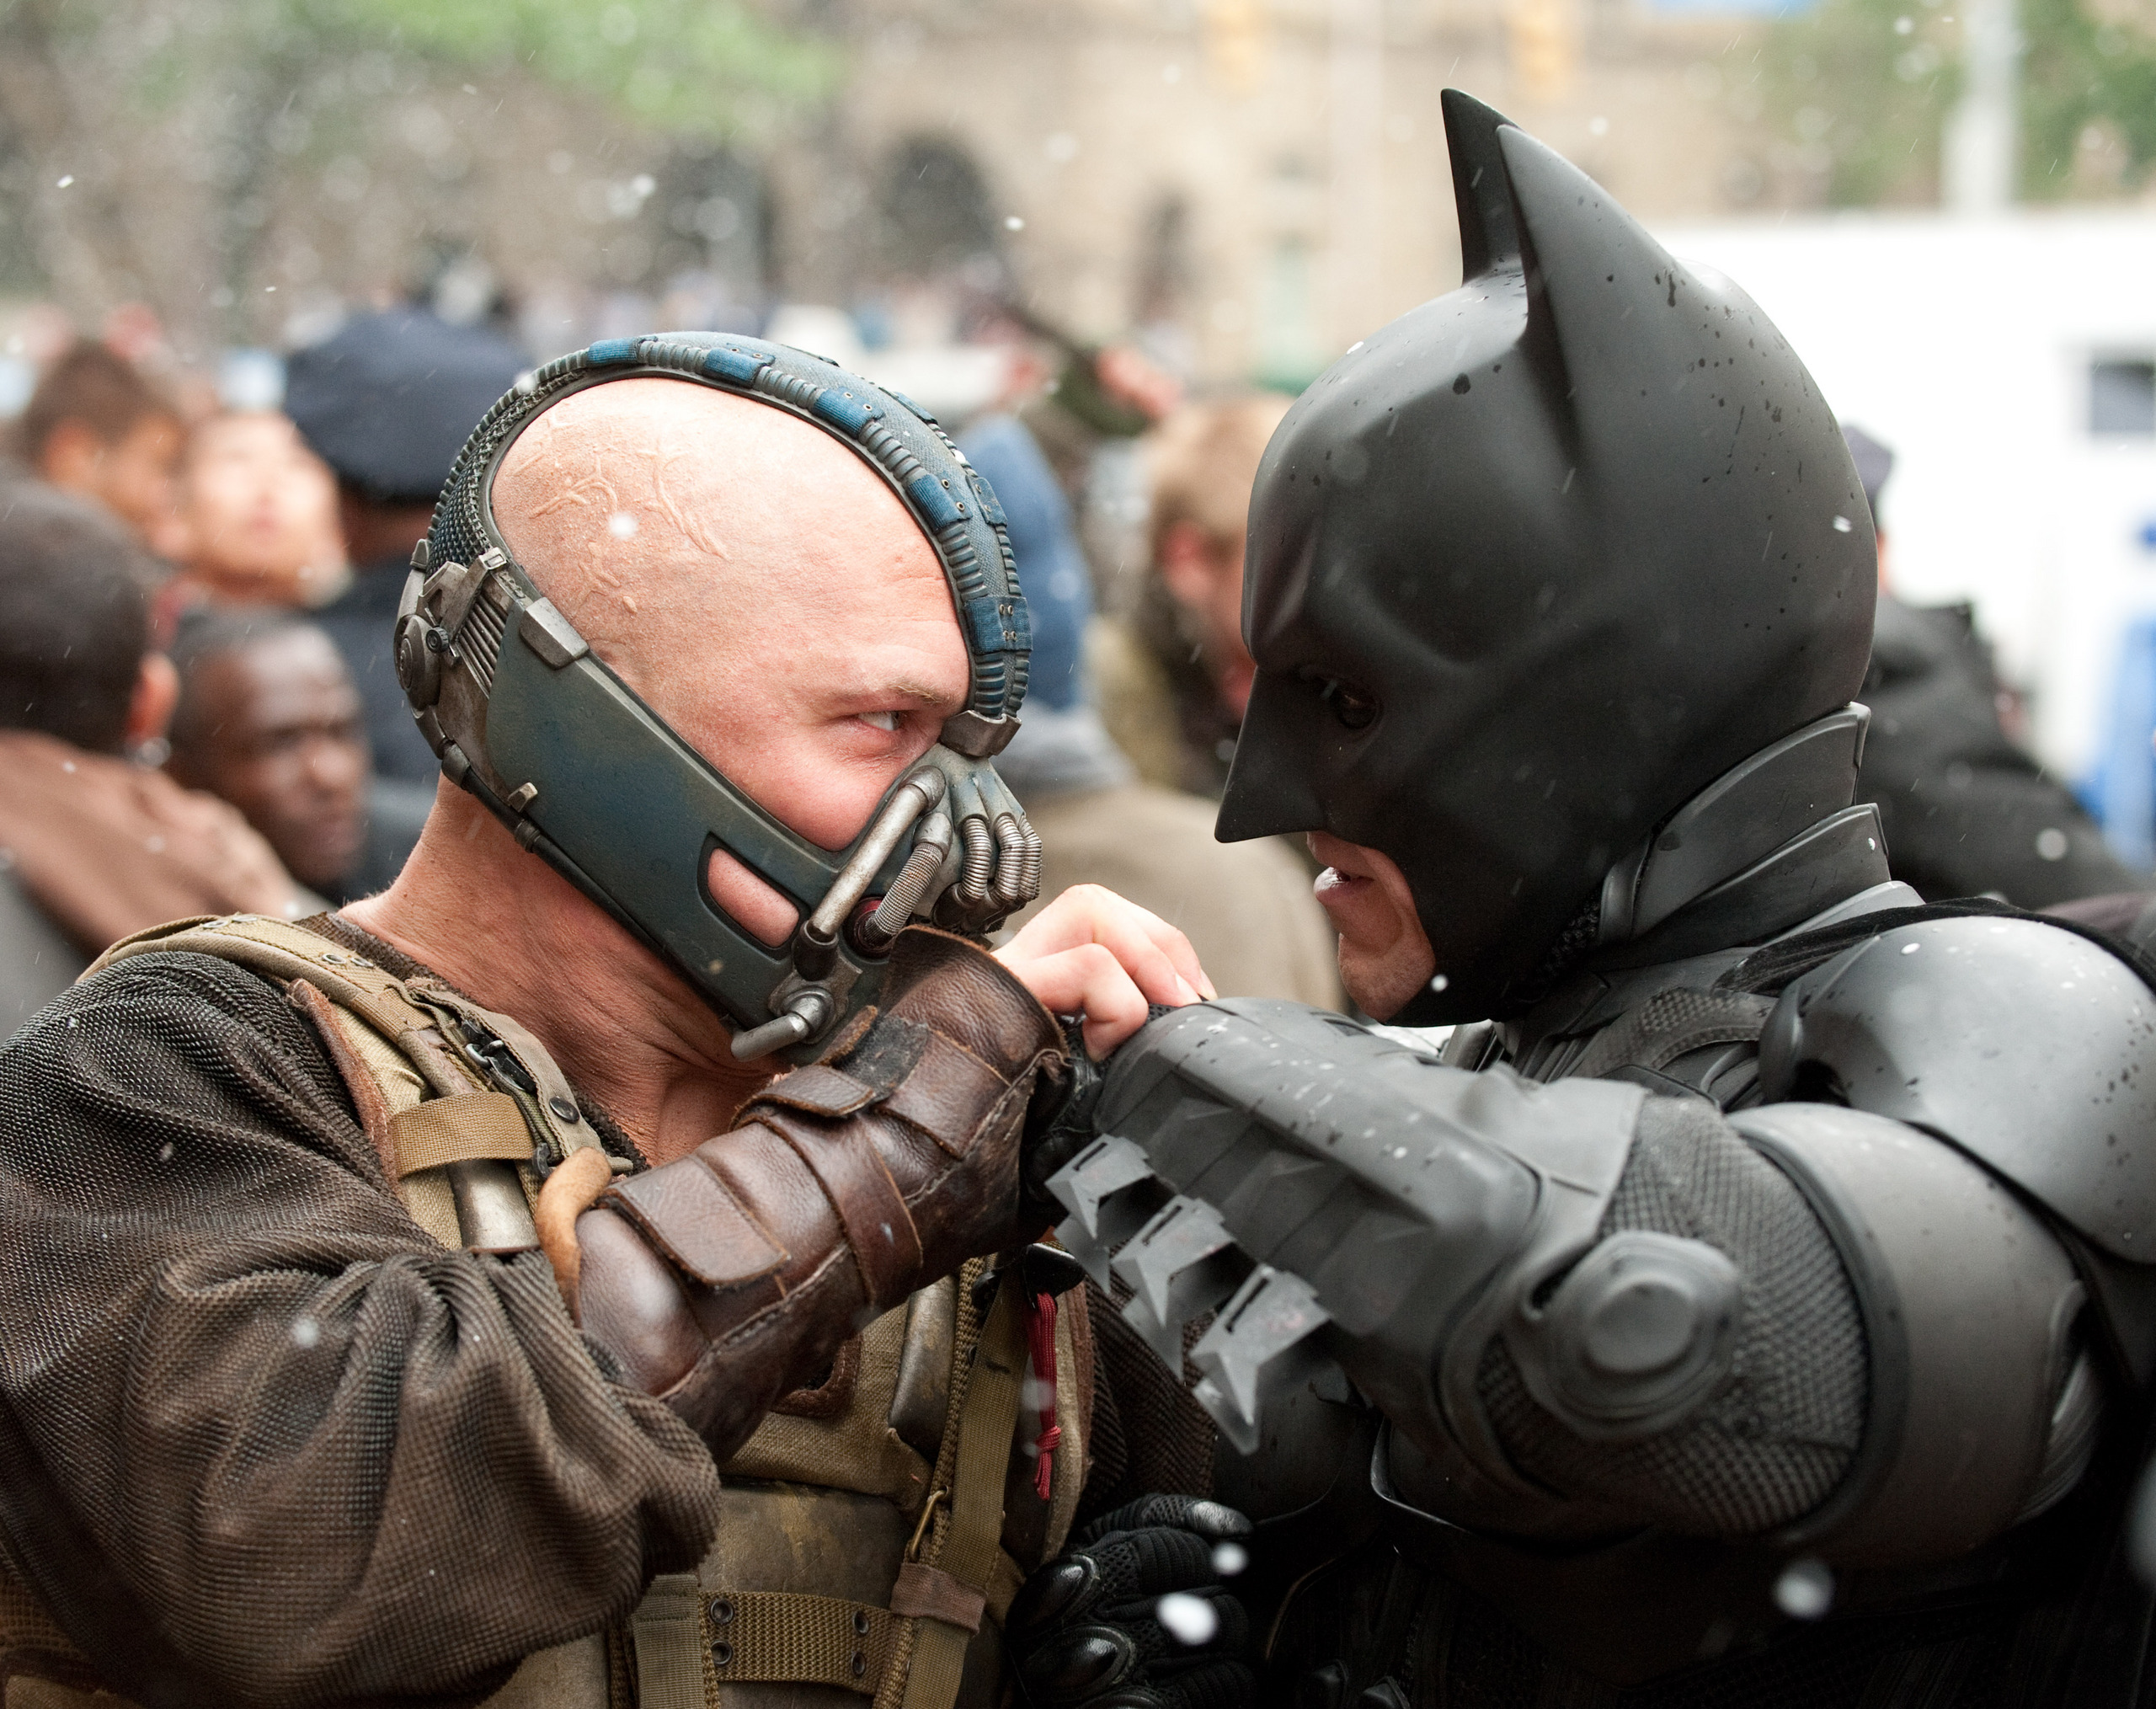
[724, 1280]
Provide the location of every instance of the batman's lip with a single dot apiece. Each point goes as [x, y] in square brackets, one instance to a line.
[1344, 863]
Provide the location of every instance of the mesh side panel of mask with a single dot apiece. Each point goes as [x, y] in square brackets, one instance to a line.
[1773, 1441]
[1671, 1023]
[313, 1454]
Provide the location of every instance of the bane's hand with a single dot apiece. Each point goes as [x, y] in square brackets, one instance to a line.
[1090, 1628]
[1090, 952]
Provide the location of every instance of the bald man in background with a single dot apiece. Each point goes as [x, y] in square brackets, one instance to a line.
[271, 1442]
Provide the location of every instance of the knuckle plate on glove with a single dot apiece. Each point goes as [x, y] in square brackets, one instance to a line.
[1082, 1661]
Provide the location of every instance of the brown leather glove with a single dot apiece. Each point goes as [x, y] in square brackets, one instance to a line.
[724, 1280]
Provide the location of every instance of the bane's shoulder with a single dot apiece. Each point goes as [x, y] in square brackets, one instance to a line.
[2027, 1045]
[180, 976]
[161, 1012]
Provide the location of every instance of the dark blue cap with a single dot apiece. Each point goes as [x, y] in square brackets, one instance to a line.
[388, 400]
[1874, 463]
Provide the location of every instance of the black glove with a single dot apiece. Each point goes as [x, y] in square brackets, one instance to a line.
[1085, 1630]
[1059, 1124]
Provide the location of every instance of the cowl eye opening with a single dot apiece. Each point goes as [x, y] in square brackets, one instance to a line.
[1356, 709]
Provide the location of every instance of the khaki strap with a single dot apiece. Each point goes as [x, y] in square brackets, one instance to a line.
[408, 1016]
[790, 1637]
[555, 1107]
[971, 1541]
[478, 1125]
[668, 1631]
[929, 1592]
[286, 952]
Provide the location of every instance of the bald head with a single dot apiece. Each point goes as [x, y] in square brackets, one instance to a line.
[752, 578]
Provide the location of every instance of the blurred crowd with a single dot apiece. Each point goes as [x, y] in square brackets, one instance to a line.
[201, 714]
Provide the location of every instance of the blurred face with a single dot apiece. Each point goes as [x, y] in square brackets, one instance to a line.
[135, 476]
[1386, 956]
[273, 728]
[1204, 575]
[757, 584]
[260, 510]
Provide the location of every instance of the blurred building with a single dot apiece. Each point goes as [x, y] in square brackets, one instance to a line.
[1256, 183]
[1253, 183]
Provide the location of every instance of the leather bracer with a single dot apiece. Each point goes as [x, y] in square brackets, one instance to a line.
[726, 1280]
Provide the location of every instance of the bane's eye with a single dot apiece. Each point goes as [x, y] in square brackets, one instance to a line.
[1356, 709]
[881, 720]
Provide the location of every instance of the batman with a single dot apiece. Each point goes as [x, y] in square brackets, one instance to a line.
[1748, 1299]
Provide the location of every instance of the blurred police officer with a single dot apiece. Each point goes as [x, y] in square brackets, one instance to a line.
[386, 401]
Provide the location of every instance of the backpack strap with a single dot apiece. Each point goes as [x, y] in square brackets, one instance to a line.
[950, 1575]
[468, 1111]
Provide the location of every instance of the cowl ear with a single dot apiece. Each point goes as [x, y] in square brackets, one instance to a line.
[1497, 242]
[1481, 188]
[1602, 286]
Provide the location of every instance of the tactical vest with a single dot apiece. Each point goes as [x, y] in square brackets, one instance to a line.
[872, 1531]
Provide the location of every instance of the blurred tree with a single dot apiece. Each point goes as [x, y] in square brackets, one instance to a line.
[148, 148]
[2088, 90]
[691, 67]
[1860, 91]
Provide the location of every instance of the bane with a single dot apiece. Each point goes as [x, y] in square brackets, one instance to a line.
[1747, 1303]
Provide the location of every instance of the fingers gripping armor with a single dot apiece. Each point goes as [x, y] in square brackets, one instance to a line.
[1577, 1305]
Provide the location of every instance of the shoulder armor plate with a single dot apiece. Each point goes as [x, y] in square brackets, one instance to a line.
[2030, 1048]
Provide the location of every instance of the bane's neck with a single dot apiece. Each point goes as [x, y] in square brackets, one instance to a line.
[1771, 845]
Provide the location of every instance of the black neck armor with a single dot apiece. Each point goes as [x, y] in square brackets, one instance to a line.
[528, 719]
[1533, 566]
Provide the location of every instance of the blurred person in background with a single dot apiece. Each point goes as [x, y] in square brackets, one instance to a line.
[95, 427]
[258, 515]
[1175, 679]
[1246, 908]
[1967, 810]
[93, 845]
[269, 720]
[1088, 407]
[1095, 396]
[385, 402]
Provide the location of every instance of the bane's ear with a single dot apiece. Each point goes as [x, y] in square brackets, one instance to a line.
[1600, 285]
[1481, 188]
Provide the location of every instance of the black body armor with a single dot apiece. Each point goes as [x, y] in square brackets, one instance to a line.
[1758, 1309]
[1618, 1340]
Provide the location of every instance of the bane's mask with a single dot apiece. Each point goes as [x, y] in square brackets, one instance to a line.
[526, 718]
[1535, 564]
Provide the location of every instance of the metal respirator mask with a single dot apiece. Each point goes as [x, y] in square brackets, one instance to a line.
[587, 776]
